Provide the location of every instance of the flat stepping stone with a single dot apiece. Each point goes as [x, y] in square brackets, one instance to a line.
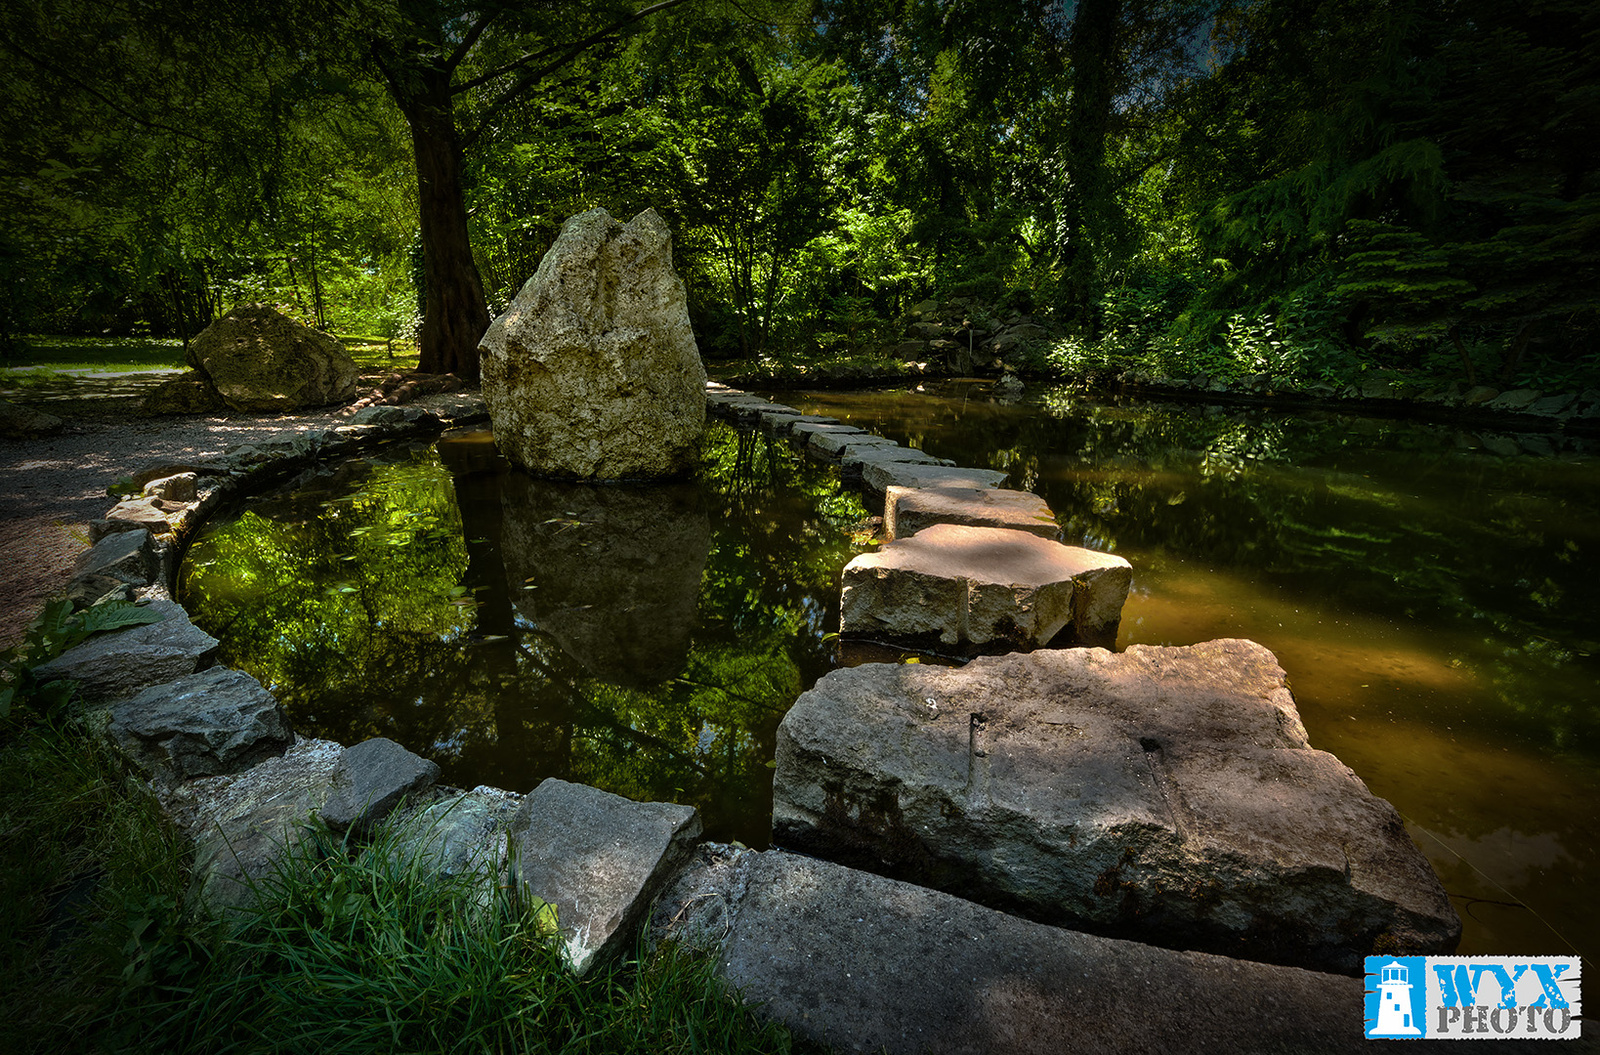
[201, 725]
[784, 424]
[1167, 795]
[835, 444]
[880, 476]
[853, 460]
[600, 859]
[120, 663]
[975, 589]
[856, 962]
[907, 510]
[804, 430]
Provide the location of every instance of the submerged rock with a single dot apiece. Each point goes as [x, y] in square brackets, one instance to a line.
[593, 372]
[1163, 794]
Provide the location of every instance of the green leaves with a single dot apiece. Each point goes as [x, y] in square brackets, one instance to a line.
[58, 629]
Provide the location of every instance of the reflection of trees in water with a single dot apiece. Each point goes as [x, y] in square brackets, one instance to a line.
[513, 629]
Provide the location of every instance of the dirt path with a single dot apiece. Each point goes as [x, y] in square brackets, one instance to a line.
[51, 488]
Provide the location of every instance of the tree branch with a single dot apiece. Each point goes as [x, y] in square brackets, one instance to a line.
[572, 51]
[470, 40]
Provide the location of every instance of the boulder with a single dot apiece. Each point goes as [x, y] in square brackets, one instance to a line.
[201, 725]
[461, 833]
[133, 514]
[852, 961]
[370, 780]
[120, 663]
[179, 487]
[1164, 794]
[191, 392]
[599, 859]
[907, 510]
[593, 372]
[262, 361]
[1516, 399]
[18, 422]
[976, 589]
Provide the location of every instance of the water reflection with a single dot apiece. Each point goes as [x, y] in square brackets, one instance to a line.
[611, 573]
[644, 640]
[1429, 593]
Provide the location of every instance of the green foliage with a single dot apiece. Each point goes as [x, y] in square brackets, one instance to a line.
[57, 629]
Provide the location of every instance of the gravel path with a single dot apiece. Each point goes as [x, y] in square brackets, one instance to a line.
[51, 488]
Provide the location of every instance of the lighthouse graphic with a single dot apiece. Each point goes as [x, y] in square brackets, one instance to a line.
[1394, 1003]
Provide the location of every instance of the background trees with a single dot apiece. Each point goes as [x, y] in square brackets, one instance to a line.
[1214, 186]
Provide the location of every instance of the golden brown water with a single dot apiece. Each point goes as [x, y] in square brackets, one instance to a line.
[1433, 603]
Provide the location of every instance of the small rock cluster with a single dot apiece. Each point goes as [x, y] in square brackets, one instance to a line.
[964, 337]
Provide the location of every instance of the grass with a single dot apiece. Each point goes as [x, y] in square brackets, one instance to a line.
[363, 950]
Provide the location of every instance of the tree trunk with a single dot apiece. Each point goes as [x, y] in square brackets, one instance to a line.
[455, 314]
[1092, 51]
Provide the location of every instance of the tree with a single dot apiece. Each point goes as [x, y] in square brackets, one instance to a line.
[453, 69]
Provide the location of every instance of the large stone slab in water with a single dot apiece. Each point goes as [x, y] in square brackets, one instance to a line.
[907, 510]
[599, 859]
[973, 589]
[857, 962]
[1163, 794]
[880, 476]
[593, 372]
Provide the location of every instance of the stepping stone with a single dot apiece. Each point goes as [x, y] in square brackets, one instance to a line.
[371, 779]
[975, 589]
[803, 431]
[600, 859]
[1167, 795]
[835, 444]
[855, 962]
[853, 460]
[201, 725]
[881, 476]
[784, 424]
[907, 510]
[118, 664]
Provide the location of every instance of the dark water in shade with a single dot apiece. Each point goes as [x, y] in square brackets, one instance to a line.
[1431, 593]
[646, 640]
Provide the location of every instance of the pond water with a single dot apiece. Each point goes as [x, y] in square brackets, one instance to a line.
[1433, 594]
[646, 640]
[1430, 592]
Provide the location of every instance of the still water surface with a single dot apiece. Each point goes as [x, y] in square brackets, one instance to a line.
[1431, 594]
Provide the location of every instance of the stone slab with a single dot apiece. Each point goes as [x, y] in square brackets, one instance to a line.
[804, 430]
[835, 444]
[981, 589]
[907, 510]
[1163, 794]
[120, 663]
[119, 556]
[881, 476]
[370, 780]
[857, 962]
[201, 725]
[599, 859]
[780, 424]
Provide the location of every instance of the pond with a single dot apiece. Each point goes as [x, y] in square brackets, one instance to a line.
[1433, 594]
[1430, 593]
[646, 640]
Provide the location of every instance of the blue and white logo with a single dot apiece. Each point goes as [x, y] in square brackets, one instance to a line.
[1473, 997]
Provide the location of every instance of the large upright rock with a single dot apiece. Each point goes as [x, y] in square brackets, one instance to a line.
[1162, 794]
[260, 360]
[593, 372]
